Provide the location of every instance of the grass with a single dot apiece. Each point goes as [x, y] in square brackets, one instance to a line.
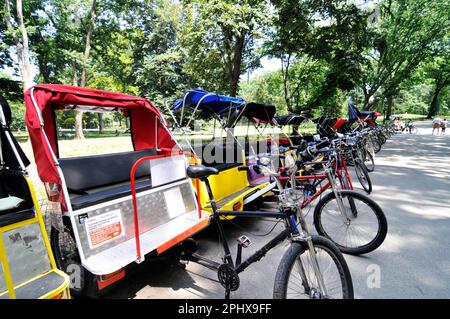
[71, 148]
[414, 117]
[69, 134]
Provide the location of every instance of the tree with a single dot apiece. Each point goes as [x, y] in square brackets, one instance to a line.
[12, 91]
[324, 32]
[440, 73]
[5, 40]
[306, 80]
[63, 43]
[159, 72]
[20, 41]
[438, 69]
[402, 40]
[83, 80]
[221, 39]
[264, 88]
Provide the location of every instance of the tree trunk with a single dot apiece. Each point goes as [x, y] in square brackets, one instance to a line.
[367, 96]
[285, 73]
[434, 106]
[366, 102]
[237, 63]
[100, 123]
[78, 114]
[26, 67]
[23, 55]
[83, 81]
[390, 104]
[87, 48]
[79, 135]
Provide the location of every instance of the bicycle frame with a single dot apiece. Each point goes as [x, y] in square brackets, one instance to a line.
[319, 178]
[291, 231]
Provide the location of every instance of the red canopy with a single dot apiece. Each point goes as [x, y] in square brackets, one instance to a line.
[149, 129]
[338, 123]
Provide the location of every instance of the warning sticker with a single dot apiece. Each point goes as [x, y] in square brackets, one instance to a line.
[103, 228]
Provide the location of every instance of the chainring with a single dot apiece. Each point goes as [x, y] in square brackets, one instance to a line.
[228, 277]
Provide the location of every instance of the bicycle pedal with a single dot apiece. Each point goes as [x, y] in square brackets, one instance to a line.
[244, 241]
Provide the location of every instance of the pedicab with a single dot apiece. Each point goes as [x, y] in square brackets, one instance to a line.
[111, 211]
[226, 153]
[369, 117]
[328, 125]
[293, 121]
[363, 118]
[261, 116]
[326, 128]
[28, 269]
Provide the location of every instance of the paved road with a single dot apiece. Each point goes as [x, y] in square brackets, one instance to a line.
[411, 184]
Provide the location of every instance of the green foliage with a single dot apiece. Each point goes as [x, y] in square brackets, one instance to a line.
[414, 99]
[18, 115]
[220, 39]
[328, 36]
[10, 89]
[265, 88]
[402, 40]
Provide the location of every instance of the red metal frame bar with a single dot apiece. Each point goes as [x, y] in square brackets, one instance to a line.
[304, 177]
[310, 199]
[321, 176]
[344, 167]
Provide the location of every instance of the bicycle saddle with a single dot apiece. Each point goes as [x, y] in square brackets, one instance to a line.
[201, 171]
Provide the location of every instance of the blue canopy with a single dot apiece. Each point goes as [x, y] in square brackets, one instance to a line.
[353, 113]
[210, 102]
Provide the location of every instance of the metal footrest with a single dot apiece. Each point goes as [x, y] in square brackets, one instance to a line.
[39, 287]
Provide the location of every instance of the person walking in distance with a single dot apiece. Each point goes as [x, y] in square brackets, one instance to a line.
[436, 125]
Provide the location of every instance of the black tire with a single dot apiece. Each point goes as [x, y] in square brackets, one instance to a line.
[381, 139]
[368, 161]
[376, 145]
[349, 159]
[413, 130]
[355, 199]
[86, 283]
[346, 186]
[295, 252]
[363, 176]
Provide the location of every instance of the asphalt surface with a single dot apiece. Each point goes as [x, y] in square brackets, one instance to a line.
[411, 183]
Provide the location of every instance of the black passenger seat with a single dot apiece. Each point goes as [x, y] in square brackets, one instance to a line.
[85, 174]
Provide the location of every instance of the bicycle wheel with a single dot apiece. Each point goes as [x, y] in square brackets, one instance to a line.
[413, 130]
[363, 176]
[360, 231]
[376, 145]
[381, 139]
[296, 278]
[368, 161]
